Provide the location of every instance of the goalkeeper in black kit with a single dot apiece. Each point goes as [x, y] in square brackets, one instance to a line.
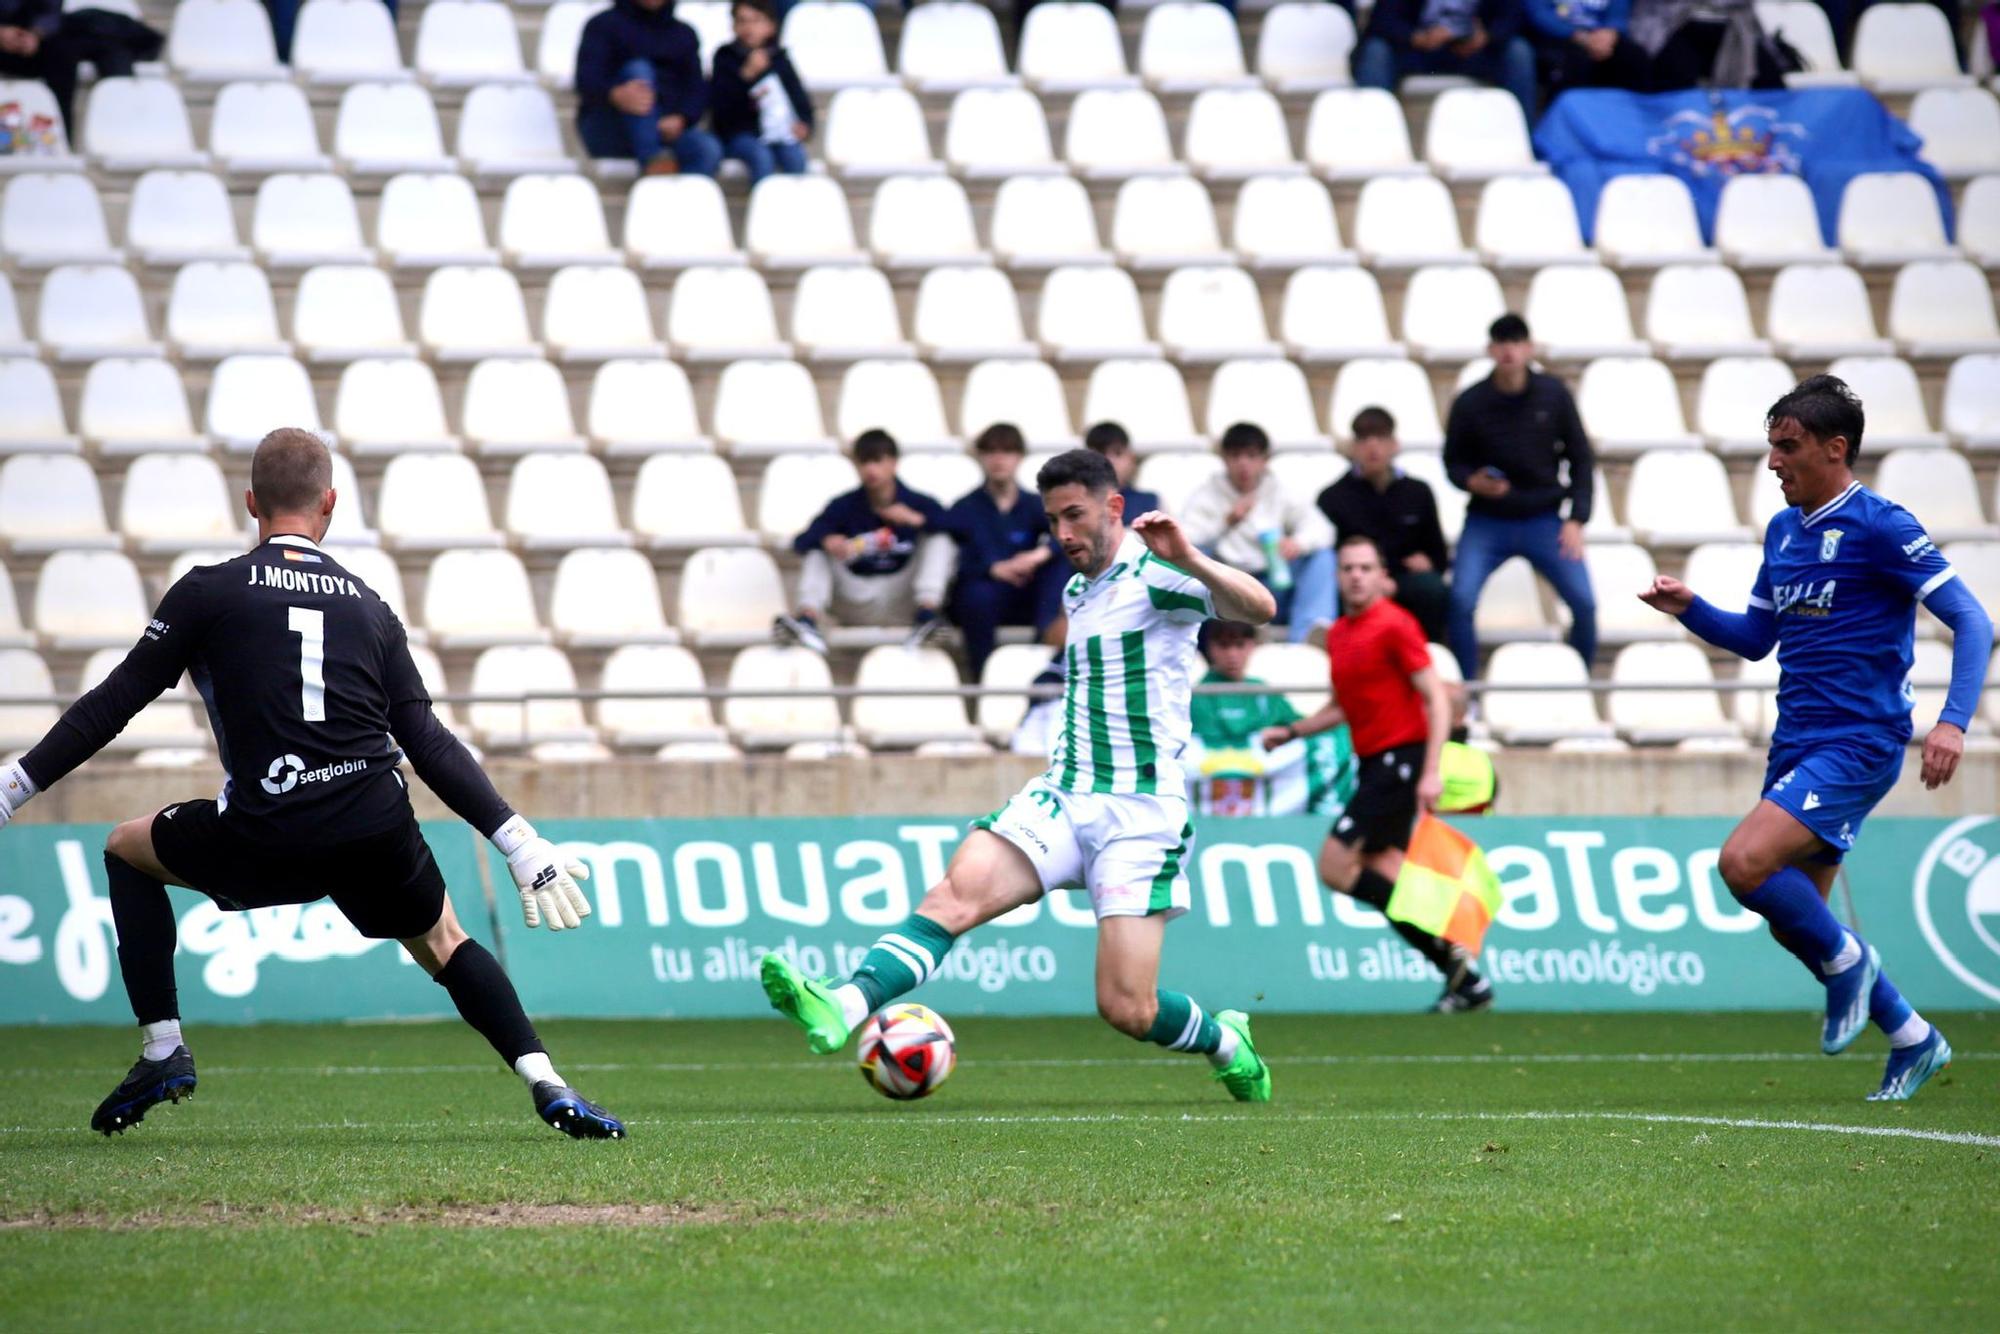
[314, 701]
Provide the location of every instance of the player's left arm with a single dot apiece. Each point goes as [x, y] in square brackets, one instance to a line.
[1909, 557]
[87, 726]
[1237, 596]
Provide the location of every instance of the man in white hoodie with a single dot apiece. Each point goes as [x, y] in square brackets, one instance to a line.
[1244, 518]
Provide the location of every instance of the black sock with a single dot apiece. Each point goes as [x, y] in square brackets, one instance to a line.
[146, 933]
[1373, 888]
[486, 999]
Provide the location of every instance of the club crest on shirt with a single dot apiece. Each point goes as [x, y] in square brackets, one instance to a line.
[1829, 543]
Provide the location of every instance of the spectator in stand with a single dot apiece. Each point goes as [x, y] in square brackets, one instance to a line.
[1007, 574]
[1715, 43]
[759, 109]
[1375, 500]
[1110, 440]
[1480, 39]
[39, 41]
[1583, 44]
[640, 92]
[1508, 442]
[1246, 518]
[877, 555]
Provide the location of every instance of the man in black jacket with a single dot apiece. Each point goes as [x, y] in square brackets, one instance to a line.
[759, 109]
[1509, 441]
[640, 91]
[1480, 39]
[1398, 513]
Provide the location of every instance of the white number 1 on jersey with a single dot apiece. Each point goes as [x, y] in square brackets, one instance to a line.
[310, 626]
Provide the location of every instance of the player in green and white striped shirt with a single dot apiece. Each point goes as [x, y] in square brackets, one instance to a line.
[1110, 813]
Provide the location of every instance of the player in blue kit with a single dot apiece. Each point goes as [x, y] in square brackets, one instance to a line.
[1843, 572]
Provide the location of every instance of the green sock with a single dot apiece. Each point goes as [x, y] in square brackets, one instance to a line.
[1182, 1025]
[902, 961]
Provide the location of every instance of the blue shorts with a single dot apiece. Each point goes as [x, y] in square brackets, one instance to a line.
[1830, 784]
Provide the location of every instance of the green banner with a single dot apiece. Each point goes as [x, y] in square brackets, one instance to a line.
[1599, 915]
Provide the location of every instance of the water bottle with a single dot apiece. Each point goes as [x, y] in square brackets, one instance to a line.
[1277, 570]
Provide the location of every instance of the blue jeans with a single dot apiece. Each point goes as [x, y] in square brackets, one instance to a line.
[608, 132]
[764, 157]
[1380, 65]
[1310, 598]
[1488, 543]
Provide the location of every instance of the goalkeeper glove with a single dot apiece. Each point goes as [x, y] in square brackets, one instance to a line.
[547, 880]
[15, 789]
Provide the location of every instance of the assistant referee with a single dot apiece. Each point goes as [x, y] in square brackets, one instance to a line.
[1392, 699]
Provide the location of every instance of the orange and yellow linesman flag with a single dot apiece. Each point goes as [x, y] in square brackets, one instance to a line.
[1445, 886]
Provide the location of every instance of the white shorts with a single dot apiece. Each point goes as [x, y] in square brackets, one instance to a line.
[1130, 852]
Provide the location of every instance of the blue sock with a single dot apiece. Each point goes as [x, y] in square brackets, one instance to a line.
[1886, 1005]
[1799, 917]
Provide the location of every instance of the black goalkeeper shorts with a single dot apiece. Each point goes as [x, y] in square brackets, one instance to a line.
[386, 883]
[1384, 809]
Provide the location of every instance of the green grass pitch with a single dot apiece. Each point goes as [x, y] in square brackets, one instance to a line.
[1479, 1172]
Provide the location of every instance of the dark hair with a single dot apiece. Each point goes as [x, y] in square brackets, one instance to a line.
[1509, 328]
[1106, 436]
[291, 472]
[1001, 435]
[764, 7]
[1080, 467]
[1245, 438]
[1213, 630]
[875, 444]
[1373, 424]
[1824, 407]
[1363, 540]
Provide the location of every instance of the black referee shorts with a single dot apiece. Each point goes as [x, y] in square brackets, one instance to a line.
[1384, 809]
[387, 883]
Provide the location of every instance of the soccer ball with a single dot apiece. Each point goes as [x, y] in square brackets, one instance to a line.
[907, 1051]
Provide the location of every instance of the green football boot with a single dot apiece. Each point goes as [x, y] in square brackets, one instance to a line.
[807, 1003]
[1246, 1076]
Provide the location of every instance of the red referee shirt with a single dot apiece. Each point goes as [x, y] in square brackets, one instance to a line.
[1372, 657]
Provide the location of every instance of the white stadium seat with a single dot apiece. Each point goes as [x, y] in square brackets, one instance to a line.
[944, 477]
[1943, 310]
[1400, 386]
[1891, 217]
[1646, 220]
[1652, 717]
[1803, 24]
[1901, 48]
[49, 218]
[729, 596]
[1960, 128]
[1972, 402]
[136, 406]
[1529, 717]
[517, 407]
[654, 722]
[1765, 221]
[1271, 392]
[722, 314]
[88, 600]
[478, 598]
[1526, 222]
[673, 222]
[345, 41]
[1618, 571]
[257, 128]
[37, 102]
[1817, 311]
[1307, 472]
[299, 220]
[1889, 389]
[1305, 48]
[967, 315]
[1724, 572]
[1213, 314]
[1028, 394]
[178, 216]
[391, 407]
[518, 670]
[23, 675]
[1184, 47]
[470, 312]
[1237, 132]
[711, 21]
[998, 132]
[556, 502]
[643, 406]
[1335, 314]
[31, 412]
[562, 29]
[219, 310]
[875, 132]
[507, 129]
[1446, 311]
[384, 128]
[1165, 222]
[1147, 397]
[1697, 312]
[1475, 134]
[167, 723]
[1300, 668]
[1577, 312]
[920, 222]
[349, 525]
[1405, 222]
[1285, 222]
[772, 722]
[133, 124]
[1979, 220]
[1978, 564]
[796, 222]
[1116, 133]
[464, 42]
[378, 570]
[1939, 488]
[842, 314]
[51, 502]
[1091, 314]
[794, 489]
[894, 722]
[347, 311]
[597, 313]
[949, 45]
[1175, 477]
[548, 221]
[14, 341]
[768, 407]
[1009, 665]
[1043, 223]
[1681, 498]
[1733, 396]
[429, 219]
[835, 45]
[684, 501]
[176, 502]
[1631, 404]
[1356, 134]
[214, 41]
[429, 502]
[605, 599]
[900, 397]
[1510, 605]
[1070, 47]
[89, 311]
